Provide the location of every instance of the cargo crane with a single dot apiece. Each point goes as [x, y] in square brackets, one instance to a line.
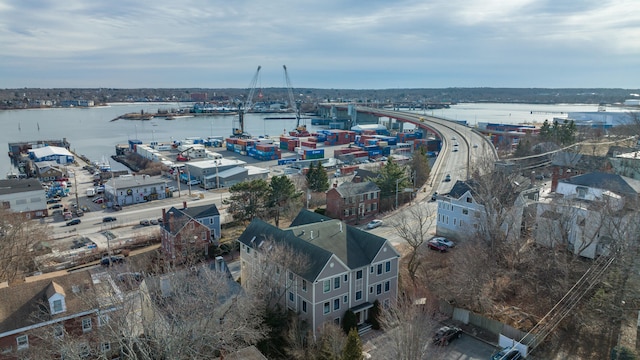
[182, 157]
[238, 126]
[300, 130]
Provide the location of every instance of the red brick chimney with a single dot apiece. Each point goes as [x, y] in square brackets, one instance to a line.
[164, 215]
[184, 205]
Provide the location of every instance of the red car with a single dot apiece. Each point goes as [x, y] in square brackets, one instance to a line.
[436, 245]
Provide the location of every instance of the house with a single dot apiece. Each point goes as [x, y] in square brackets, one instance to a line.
[594, 211]
[60, 305]
[24, 196]
[49, 171]
[567, 164]
[189, 231]
[135, 189]
[56, 154]
[217, 172]
[461, 214]
[348, 268]
[353, 201]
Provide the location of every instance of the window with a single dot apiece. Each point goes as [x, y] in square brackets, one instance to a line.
[379, 269]
[336, 282]
[371, 290]
[304, 285]
[336, 321]
[359, 274]
[327, 307]
[290, 275]
[346, 277]
[84, 350]
[345, 299]
[304, 306]
[371, 270]
[57, 306]
[468, 199]
[582, 191]
[58, 331]
[378, 289]
[358, 295]
[465, 211]
[387, 266]
[290, 296]
[326, 286]
[23, 342]
[386, 286]
[104, 347]
[103, 320]
[336, 304]
[86, 324]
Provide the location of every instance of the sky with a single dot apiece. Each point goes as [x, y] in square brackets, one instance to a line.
[331, 44]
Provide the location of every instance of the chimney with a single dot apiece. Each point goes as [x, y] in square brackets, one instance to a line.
[335, 184]
[164, 215]
[170, 220]
[184, 205]
[340, 226]
[311, 234]
[357, 179]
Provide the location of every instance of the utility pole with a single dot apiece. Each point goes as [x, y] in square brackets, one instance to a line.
[397, 181]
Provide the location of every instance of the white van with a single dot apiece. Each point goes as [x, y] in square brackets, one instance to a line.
[91, 192]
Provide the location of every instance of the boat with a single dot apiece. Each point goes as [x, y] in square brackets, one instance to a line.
[103, 165]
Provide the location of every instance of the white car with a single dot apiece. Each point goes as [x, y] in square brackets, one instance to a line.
[374, 224]
[443, 241]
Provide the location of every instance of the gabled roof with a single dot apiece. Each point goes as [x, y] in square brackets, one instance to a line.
[366, 174]
[460, 188]
[181, 217]
[50, 150]
[26, 303]
[347, 189]
[319, 237]
[579, 161]
[618, 184]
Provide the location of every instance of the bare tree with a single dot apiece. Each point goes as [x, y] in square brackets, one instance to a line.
[195, 313]
[414, 229]
[19, 237]
[407, 325]
[273, 272]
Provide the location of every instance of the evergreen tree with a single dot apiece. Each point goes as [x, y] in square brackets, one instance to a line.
[374, 313]
[281, 192]
[545, 131]
[392, 178]
[353, 348]
[248, 199]
[350, 321]
[317, 178]
[420, 167]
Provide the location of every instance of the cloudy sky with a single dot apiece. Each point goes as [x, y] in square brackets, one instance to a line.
[325, 44]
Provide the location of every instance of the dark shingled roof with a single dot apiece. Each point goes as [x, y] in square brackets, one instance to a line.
[618, 184]
[319, 237]
[182, 216]
[21, 304]
[202, 211]
[13, 186]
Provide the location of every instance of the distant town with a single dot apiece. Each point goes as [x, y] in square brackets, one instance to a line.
[39, 98]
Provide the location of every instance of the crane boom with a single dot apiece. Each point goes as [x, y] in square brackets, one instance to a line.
[252, 89]
[238, 130]
[295, 106]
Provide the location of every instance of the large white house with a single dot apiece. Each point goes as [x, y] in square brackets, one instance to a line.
[135, 189]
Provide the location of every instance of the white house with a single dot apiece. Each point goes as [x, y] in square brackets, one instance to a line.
[132, 189]
[25, 196]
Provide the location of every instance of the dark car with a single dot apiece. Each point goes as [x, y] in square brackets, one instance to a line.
[508, 353]
[447, 178]
[153, 222]
[108, 219]
[73, 222]
[145, 222]
[436, 245]
[434, 197]
[53, 201]
[56, 206]
[115, 259]
[446, 334]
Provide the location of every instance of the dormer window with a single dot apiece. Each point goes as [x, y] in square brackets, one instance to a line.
[55, 295]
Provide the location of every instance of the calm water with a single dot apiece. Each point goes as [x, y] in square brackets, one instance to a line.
[92, 133]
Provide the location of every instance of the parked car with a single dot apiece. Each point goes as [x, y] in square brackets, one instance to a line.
[153, 222]
[444, 241]
[145, 222]
[435, 245]
[507, 353]
[99, 200]
[53, 201]
[115, 259]
[447, 178]
[194, 182]
[446, 334]
[108, 219]
[374, 224]
[160, 220]
[73, 222]
[434, 197]
[56, 206]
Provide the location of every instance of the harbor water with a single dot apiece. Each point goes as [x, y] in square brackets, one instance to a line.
[92, 133]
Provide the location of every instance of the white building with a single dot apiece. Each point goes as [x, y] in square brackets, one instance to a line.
[132, 189]
[52, 153]
[25, 196]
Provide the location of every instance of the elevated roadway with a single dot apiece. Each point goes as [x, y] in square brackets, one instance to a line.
[461, 146]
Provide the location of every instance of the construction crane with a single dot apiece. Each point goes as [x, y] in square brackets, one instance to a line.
[182, 157]
[300, 130]
[238, 126]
